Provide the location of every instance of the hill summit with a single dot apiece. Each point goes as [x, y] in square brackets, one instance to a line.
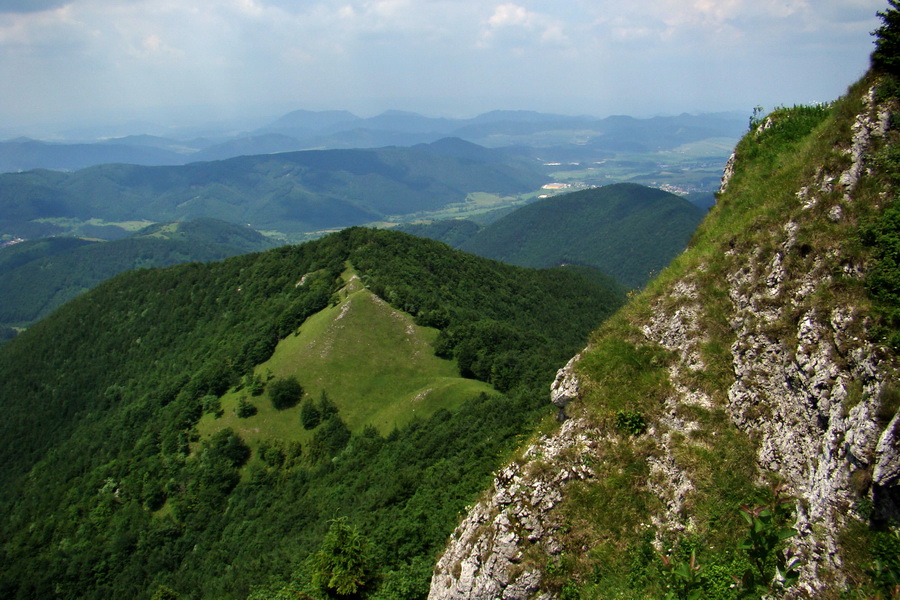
[208, 429]
[625, 230]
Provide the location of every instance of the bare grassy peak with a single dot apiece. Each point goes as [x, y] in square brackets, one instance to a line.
[749, 360]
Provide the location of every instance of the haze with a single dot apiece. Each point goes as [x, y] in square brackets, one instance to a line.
[175, 61]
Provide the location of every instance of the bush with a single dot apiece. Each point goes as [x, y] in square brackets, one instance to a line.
[285, 393]
[630, 422]
[329, 439]
[245, 409]
[228, 447]
[310, 416]
[343, 566]
[883, 280]
[211, 404]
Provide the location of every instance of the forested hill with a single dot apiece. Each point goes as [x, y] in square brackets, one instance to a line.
[626, 230]
[37, 276]
[289, 192]
[110, 489]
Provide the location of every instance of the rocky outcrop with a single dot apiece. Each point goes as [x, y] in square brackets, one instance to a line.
[727, 173]
[809, 392]
[808, 387]
[565, 387]
[491, 553]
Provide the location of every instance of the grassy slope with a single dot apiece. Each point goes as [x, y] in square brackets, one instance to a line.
[622, 371]
[374, 363]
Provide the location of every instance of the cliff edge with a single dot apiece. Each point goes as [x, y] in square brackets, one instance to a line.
[746, 384]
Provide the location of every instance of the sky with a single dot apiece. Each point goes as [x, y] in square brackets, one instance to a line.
[66, 61]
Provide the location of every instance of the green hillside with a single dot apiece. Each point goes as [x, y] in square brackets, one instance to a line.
[710, 433]
[396, 376]
[37, 276]
[625, 230]
[289, 192]
[127, 472]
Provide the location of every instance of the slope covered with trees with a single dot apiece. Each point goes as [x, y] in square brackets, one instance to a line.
[37, 276]
[625, 230]
[288, 192]
[110, 489]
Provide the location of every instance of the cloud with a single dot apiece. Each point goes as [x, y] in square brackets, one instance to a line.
[153, 46]
[516, 25]
[320, 52]
[507, 15]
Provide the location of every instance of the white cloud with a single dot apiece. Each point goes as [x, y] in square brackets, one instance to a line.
[510, 14]
[153, 46]
[519, 27]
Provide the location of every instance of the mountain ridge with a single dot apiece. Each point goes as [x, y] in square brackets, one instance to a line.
[38, 276]
[132, 374]
[624, 230]
[291, 191]
[748, 384]
[303, 129]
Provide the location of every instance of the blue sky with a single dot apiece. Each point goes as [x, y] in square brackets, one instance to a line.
[64, 61]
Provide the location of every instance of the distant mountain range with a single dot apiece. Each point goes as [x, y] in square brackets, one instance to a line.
[619, 235]
[566, 137]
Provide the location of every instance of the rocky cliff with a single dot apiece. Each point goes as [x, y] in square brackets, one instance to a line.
[749, 365]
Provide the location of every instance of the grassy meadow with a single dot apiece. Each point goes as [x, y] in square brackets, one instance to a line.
[396, 376]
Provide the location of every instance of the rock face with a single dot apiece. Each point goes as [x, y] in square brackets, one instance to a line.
[565, 387]
[811, 394]
[808, 388]
[488, 554]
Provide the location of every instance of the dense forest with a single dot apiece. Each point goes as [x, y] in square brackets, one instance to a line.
[37, 276]
[110, 490]
[626, 230]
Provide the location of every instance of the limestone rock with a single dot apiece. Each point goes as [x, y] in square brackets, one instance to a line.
[485, 557]
[807, 386]
[565, 387]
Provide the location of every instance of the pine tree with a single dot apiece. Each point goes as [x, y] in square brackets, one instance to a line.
[886, 56]
[343, 565]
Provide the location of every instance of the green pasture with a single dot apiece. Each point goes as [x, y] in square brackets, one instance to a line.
[371, 360]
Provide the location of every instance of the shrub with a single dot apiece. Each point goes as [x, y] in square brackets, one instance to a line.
[245, 409]
[886, 56]
[631, 422]
[310, 415]
[329, 439]
[343, 566]
[211, 404]
[228, 447]
[285, 392]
